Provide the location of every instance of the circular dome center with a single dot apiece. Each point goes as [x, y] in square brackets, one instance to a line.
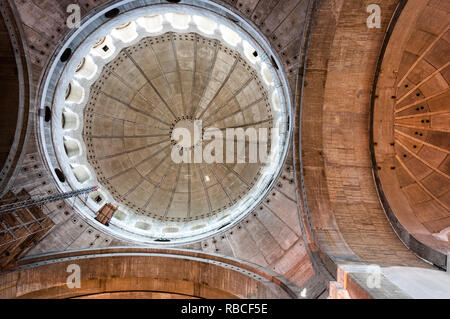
[186, 134]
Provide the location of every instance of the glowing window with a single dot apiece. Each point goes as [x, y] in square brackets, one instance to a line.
[125, 33]
[198, 227]
[249, 52]
[97, 197]
[74, 93]
[120, 215]
[171, 230]
[143, 225]
[230, 36]
[104, 48]
[81, 173]
[178, 20]
[266, 74]
[70, 120]
[151, 23]
[72, 147]
[276, 101]
[86, 69]
[205, 25]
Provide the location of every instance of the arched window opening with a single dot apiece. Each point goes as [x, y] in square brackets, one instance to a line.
[112, 13]
[48, 114]
[60, 175]
[66, 55]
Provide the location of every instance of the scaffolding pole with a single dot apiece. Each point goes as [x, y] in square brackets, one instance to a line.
[44, 200]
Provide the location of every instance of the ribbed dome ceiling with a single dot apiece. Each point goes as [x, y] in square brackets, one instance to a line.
[160, 83]
[411, 125]
[126, 89]
[421, 129]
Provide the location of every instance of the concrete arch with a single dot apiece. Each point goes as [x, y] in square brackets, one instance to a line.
[108, 271]
[15, 94]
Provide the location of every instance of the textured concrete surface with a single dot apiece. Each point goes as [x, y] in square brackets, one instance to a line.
[346, 216]
[143, 270]
[345, 221]
[146, 93]
[270, 237]
[9, 94]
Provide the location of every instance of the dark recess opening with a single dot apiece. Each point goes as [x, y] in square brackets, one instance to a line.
[274, 62]
[174, 1]
[60, 175]
[255, 54]
[112, 13]
[222, 227]
[66, 55]
[162, 240]
[48, 114]
[231, 18]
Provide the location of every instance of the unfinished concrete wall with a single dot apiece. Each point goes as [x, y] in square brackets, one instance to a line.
[271, 236]
[341, 203]
[411, 128]
[142, 270]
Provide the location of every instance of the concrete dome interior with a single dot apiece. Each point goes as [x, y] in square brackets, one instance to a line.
[116, 115]
[147, 178]
[355, 98]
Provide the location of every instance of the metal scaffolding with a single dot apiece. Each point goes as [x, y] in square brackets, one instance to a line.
[44, 200]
